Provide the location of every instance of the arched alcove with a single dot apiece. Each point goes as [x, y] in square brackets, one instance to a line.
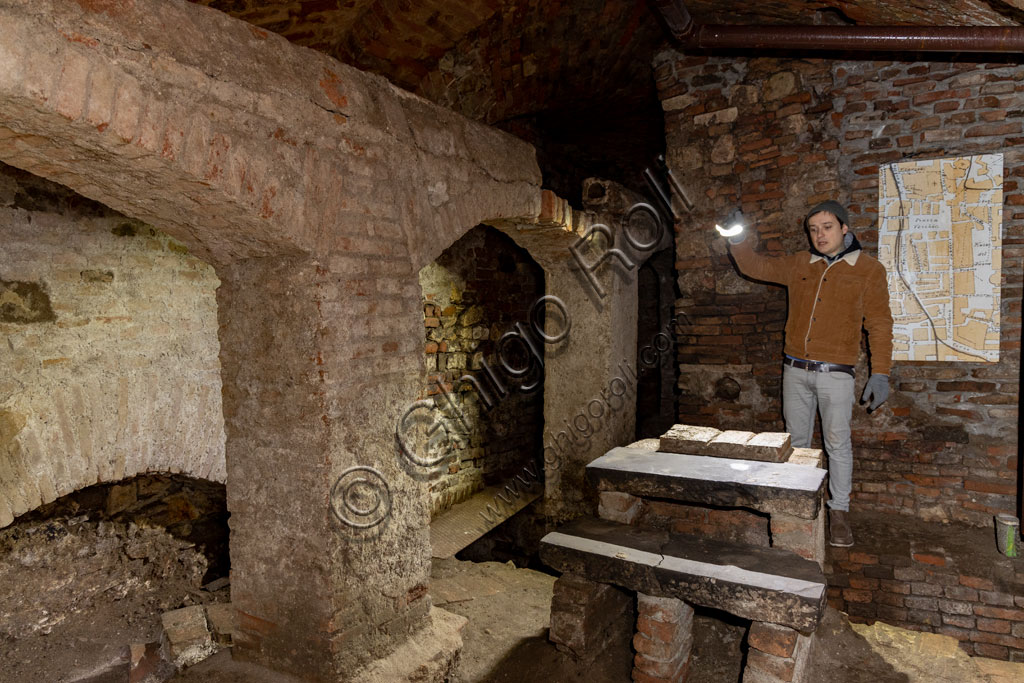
[111, 367]
[478, 296]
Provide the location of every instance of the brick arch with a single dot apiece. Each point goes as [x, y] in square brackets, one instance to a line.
[277, 150]
[304, 182]
[101, 432]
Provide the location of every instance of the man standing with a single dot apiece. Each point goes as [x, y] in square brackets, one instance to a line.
[834, 289]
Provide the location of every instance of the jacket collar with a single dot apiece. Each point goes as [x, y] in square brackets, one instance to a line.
[849, 254]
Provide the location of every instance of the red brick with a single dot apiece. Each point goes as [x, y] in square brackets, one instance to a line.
[929, 558]
[657, 630]
[661, 669]
[658, 649]
[977, 582]
[773, 639]
[1005, 488]
[780, 667]
[863, 558]
[991, 651]
[993, 625]
[985, 129]
[999, 613]
[958, 620]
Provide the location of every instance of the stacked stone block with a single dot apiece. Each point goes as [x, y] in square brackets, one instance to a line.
[777, 654]
[663, 640]
[586, 616]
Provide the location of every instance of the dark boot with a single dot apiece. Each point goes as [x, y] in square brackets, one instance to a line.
[839, 532]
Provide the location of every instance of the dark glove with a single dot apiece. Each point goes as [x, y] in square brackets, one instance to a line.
[876, 390]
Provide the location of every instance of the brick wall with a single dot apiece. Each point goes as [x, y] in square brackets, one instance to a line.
[110, 358]
[474, 293]
[774, 136]
[928, 577]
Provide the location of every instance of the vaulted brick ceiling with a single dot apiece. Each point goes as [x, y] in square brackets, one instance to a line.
[571, 76]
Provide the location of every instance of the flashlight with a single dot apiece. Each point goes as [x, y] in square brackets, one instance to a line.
[731, 231]
[735, 223]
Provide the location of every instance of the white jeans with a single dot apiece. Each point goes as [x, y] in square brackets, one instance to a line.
[804, 393]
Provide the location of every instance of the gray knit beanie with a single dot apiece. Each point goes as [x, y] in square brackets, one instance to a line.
[834, 208]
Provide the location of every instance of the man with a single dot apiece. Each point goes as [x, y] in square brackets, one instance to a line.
[834, 290]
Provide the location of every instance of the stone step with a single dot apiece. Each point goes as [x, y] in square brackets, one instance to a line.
[760, 584]
[763, 486]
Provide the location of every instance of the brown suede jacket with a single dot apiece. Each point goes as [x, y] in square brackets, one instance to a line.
[828, 304]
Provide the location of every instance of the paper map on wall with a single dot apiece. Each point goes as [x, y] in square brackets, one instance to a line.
[940, 238]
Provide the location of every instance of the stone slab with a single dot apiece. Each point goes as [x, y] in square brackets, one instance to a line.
[762, 584]
[687, 439]
[767, 487]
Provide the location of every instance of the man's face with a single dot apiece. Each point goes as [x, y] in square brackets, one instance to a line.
[826, 233]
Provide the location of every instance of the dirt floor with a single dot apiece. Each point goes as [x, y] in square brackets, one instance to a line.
[505, 640]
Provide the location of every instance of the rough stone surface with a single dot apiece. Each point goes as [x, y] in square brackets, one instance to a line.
[755, 583]
[223, 620]
[729, 444]
[812, 457]
[769, 446]
[430, 655]
[766, 487]
[186, 637]
[619, 507]
[690, 439]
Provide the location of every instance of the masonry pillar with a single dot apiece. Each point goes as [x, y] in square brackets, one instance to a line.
[590, 384]
[315, 376]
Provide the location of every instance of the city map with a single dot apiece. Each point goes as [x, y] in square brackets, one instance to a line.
[939, 238]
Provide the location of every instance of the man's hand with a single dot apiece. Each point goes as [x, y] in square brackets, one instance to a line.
[876, 390]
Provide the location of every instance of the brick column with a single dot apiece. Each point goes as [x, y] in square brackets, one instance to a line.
[587, 616]
[777, 654]
[314, 383]
[805, 537]
[664, 637]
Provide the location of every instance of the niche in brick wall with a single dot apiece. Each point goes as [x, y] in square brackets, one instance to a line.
[655, 346]
[486, 381]
[91, 573]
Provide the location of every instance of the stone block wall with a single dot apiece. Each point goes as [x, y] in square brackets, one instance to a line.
[774, 136]
[110, 365]
[476, 292]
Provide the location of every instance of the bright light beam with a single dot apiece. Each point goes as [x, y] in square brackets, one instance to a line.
[732, 231]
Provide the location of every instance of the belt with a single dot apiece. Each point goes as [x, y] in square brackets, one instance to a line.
[817, 366]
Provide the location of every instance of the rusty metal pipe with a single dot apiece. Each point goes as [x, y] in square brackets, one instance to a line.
[873, 38]
[837, 38]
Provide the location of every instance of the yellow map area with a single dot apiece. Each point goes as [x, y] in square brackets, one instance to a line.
[940, 239]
